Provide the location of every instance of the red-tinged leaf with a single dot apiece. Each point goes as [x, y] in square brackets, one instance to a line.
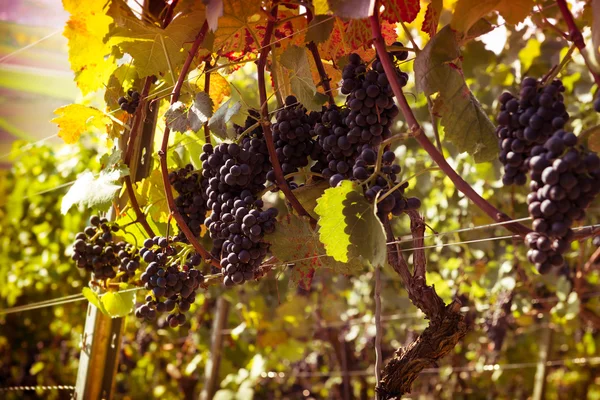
[238, 27]
[432, 17]
[400, 10]
[354, 36]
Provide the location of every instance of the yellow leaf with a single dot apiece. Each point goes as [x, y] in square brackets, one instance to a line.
[219, 87]
[528, 53]
[321, 7]
[85, 30]
[75, 119]
[467, 12]
[514, 11]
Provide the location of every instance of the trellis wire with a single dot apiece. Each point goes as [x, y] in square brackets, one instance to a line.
[30, 45]
[36, 388]
[475, 368]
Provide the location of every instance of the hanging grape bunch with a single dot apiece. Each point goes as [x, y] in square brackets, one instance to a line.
[565, 179]
[237, 174]
[293, 137]
[131, 102]
[365, 119]
[172, 286]
[525, 121]
[191, 202]
[95, 251]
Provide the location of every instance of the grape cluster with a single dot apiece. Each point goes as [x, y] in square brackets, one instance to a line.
[526, 121]
[365, 120]
[381, 185]
[191, 202]
[95, 251]
[172, 286]
[565, 178]
[236, 175]
[293, 136]
[131, 102]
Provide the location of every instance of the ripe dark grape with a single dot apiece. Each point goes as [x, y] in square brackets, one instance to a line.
[237, 223]
[293, 137]
[129, 103]
[399, 55]
[192, 200]
[527, 120]
[565, 179]
[172, 287]
[95, 251]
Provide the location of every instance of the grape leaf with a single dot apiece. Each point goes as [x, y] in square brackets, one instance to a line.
[89, 191]
[432, 17]
[176, 117]
[593, 141]
[354, 36]
[200, 111]
[467, 12]
[319, 29]
[218, 122]
[400, 10]
[151, 189]
[113, 162]
[349, 227]
[238, 26]
[118, 304]
[438, 70]
[295, 243]
[75, 119]
[93, 298]
[88, 53]
[307, 195]
[295, 59]
[154, 50]
[219, 87]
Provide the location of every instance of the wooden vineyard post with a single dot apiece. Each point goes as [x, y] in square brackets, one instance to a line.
[211, 376]
[99, 357]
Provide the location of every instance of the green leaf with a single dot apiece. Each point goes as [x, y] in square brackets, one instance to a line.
[93, 298]
[438, 70]
[319, 29]
[200, 111]
[89, 191]
[112, 162]
[529, 53]
[295, 59]
[118, 304]
[218, 122]
[295, 243]
[348, 225]
[307, 195]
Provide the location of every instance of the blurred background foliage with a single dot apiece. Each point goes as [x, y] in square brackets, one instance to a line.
[281, 341]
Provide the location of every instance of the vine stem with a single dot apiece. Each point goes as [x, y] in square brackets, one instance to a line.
[207, 68]
[264, 110]
[314, 50]
[429, 147]
[576, 37]
[162, 153]
[140, 216]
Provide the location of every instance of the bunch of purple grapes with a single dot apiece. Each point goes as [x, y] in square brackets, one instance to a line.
[526, 121]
